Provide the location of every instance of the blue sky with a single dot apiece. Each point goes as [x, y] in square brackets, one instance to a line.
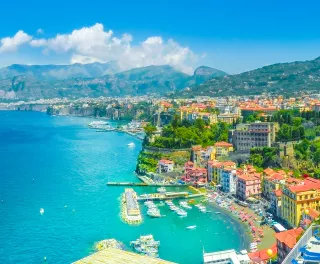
[231, 35]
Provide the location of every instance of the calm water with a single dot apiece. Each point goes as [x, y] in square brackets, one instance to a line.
[70, 165]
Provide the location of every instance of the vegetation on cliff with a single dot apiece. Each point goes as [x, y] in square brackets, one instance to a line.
[184, 134]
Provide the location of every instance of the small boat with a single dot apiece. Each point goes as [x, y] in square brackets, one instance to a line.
[185, 205]
[218, 213]
[181, 212]
[131, 144]
[161, 190]
[191, 227]
[41, 211]
[154, 213]
[173, 208]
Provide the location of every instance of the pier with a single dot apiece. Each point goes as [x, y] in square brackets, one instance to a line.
[142, 184]
[168, 196]
[130, 207]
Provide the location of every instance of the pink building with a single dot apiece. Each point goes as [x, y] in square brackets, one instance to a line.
[248, 185]
[196, 175]
[188, 166]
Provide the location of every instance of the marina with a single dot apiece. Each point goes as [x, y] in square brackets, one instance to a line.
[168, 196]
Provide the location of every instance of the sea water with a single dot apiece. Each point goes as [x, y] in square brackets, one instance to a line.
[59, 164]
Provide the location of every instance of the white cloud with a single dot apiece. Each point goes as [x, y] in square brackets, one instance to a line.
[38, 42]
[40, 31]
[90, 44]
[11, 44]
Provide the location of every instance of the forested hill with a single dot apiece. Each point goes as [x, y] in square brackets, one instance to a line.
[93, 80]
[280, 78]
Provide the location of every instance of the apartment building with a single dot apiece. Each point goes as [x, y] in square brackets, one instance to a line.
[258, 134]
[296, 199]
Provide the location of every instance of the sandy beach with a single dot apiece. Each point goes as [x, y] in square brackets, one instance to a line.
[246, 217]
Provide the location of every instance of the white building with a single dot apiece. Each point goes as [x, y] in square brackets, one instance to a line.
[229, 180]
[165, 166]
[226, 257]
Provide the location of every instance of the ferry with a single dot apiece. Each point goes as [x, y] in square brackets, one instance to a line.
[101, 126]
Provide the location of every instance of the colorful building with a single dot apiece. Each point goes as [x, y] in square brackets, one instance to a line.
[296, 199]
[222, 149]
[275, 202]
[286, 240]
[165, 166]
[248, 185]
[229, 180]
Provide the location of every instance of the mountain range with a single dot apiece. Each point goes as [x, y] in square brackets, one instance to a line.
[280, 78]
[29, 82]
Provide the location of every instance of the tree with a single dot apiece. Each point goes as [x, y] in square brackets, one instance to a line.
[256, 160]
[149, 129]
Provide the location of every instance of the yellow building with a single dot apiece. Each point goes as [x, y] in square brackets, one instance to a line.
[296, 199]
[222, 149]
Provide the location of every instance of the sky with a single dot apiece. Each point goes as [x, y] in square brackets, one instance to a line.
[231, 35]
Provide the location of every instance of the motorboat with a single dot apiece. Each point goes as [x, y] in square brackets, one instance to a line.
[154, 212]
[185, 205]
[191, 227]
[131, 144]
[181, 212]
[161, 190]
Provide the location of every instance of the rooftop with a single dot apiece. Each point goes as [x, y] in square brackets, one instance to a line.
[307, 184]
[230, 255]
[289, 237]
[113, 255]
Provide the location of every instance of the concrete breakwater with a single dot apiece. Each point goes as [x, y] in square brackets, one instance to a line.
[130, 210]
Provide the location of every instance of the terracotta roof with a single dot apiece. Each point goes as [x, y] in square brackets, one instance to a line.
[166, 161]
[196, 148]
[223, 144]
[248, 177]
[261, 255]
[228, 163]
[216, 164]
[306, 185]
[276, 177]
[268, 171]
[291, 180]
[278, 193]
[289, 237]
[314, 214]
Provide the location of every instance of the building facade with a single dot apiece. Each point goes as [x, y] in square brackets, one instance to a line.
[258, 134]
[296, 199]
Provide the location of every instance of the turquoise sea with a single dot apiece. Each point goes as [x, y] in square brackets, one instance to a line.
[49, 162]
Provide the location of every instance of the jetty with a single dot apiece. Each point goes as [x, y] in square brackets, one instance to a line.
[130, 210]
[143, 184]
[168, 196]
[114, 255]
